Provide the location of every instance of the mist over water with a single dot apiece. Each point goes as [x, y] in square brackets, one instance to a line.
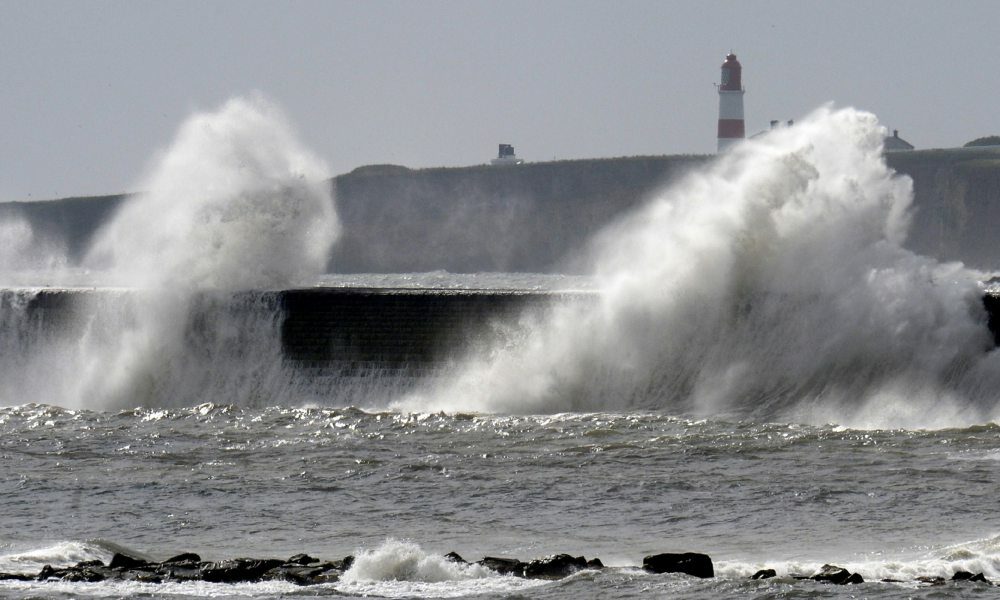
[234, 204]
[771, 285]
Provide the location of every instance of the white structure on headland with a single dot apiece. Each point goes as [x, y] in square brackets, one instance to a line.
[731, 127]
[506, 156]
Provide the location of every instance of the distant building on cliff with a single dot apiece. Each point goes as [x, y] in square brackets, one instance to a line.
[506, 156]
[894, 143]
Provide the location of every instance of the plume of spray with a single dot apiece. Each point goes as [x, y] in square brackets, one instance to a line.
[234, 204]
[770, 285]
[28, 259]
[24, 254]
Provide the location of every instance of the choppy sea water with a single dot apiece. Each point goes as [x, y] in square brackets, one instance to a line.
[225, 482]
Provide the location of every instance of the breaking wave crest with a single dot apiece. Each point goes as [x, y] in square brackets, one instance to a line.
[234, 204]
[773, 284]
[397, 560]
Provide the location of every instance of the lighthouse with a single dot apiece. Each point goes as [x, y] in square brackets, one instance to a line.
[731, 127]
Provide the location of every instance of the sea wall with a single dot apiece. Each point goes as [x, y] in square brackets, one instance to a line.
[323, 331]
[538, 217]
[360, 331]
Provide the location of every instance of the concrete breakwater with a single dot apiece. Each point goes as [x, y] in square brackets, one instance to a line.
[353, 330]
[356, 331]
[326, 330]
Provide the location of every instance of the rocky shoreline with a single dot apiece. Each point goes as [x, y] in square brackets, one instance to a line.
[303, 569]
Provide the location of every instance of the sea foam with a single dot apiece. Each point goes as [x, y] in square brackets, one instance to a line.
[397, 560]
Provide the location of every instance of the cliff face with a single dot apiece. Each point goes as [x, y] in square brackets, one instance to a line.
[510, 218]
[956, 200]
[68, 224]
[538, 217]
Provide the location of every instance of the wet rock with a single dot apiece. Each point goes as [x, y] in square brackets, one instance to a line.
[17, 577]
[86, 574]
[239, 570]
[764, 574]
[338, 565]
[837, 575]
[595, 563]
[690, 563]
[327, 575]
[89, 563]
[454, 557]
[967, 576]
[124, 561]
[87, 571]
[181, 570]
[300, 574]
[302, 559]
[301, 569]
[554, 567]
[186, 557]
[142, 576]
[503, 566]
[926, 580]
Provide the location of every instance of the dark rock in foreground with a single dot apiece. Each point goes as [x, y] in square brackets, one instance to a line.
[503, 566]
[690, 563]
[300, 569]
[239, 570]
[837, 575]
[764, 574]
[187, 557]
[554, 567]
[967, 576]
[123, 561]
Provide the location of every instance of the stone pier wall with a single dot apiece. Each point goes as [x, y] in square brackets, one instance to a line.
[355, 329]
[327, 330]
[359, 330]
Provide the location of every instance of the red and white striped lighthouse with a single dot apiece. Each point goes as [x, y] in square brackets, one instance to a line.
[731, 127]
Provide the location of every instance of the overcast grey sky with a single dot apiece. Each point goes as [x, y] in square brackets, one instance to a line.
[91, 90]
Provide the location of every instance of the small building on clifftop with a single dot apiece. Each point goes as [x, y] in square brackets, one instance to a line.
[894, 143]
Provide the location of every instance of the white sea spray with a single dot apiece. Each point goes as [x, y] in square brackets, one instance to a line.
[771, 284]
